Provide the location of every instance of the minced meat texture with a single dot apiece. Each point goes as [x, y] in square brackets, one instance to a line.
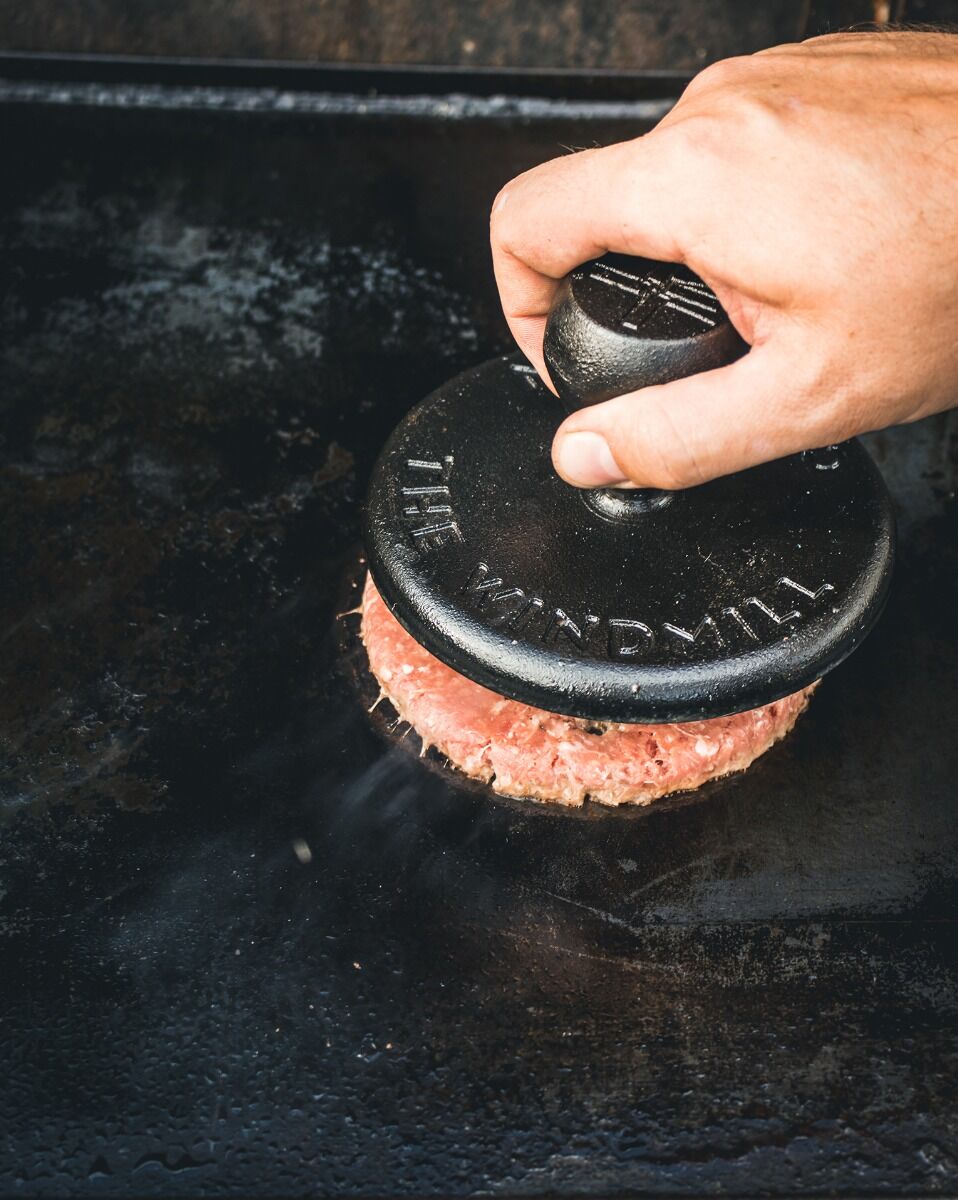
[526, 752]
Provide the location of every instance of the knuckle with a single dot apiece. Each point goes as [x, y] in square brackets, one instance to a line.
[831, 411]
[742, 122]
[822, 402]
[498, 220]
[503, 207]
[511, 209]
[505, 237]
[742, 91]
[758, 112]
[695, 138]
[726, 72]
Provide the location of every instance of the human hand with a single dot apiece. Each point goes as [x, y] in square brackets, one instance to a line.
[814, 188]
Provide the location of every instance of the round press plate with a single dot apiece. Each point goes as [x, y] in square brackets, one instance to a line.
[731, 595]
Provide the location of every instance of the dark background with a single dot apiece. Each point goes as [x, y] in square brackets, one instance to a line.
[674, 34]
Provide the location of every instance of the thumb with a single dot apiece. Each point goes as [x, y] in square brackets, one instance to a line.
[680, 434]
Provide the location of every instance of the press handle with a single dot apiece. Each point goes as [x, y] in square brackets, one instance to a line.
[620, 323]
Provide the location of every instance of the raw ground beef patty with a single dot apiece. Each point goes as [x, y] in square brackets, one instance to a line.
[524, 751]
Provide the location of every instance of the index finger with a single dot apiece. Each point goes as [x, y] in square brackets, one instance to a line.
[566, 211]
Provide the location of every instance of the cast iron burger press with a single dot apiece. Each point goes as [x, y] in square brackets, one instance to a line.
[618, 605]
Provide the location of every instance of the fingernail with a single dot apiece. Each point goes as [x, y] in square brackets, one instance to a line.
[586, 460]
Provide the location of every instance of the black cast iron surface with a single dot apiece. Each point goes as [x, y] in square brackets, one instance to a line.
[614, 604]
[619, 322]
[211, 322]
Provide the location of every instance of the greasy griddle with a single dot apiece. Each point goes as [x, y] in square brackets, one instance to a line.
[219, 302]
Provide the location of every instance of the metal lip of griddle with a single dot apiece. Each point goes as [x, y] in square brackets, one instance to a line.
[405, 80]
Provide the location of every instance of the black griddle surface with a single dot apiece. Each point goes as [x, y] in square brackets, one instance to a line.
[212, 321]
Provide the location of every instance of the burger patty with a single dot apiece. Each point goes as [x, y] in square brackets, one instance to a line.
[526, 752]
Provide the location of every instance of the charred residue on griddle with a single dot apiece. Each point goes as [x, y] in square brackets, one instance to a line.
[173, 480]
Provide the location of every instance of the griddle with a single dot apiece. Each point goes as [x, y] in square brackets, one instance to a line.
[250, 942]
